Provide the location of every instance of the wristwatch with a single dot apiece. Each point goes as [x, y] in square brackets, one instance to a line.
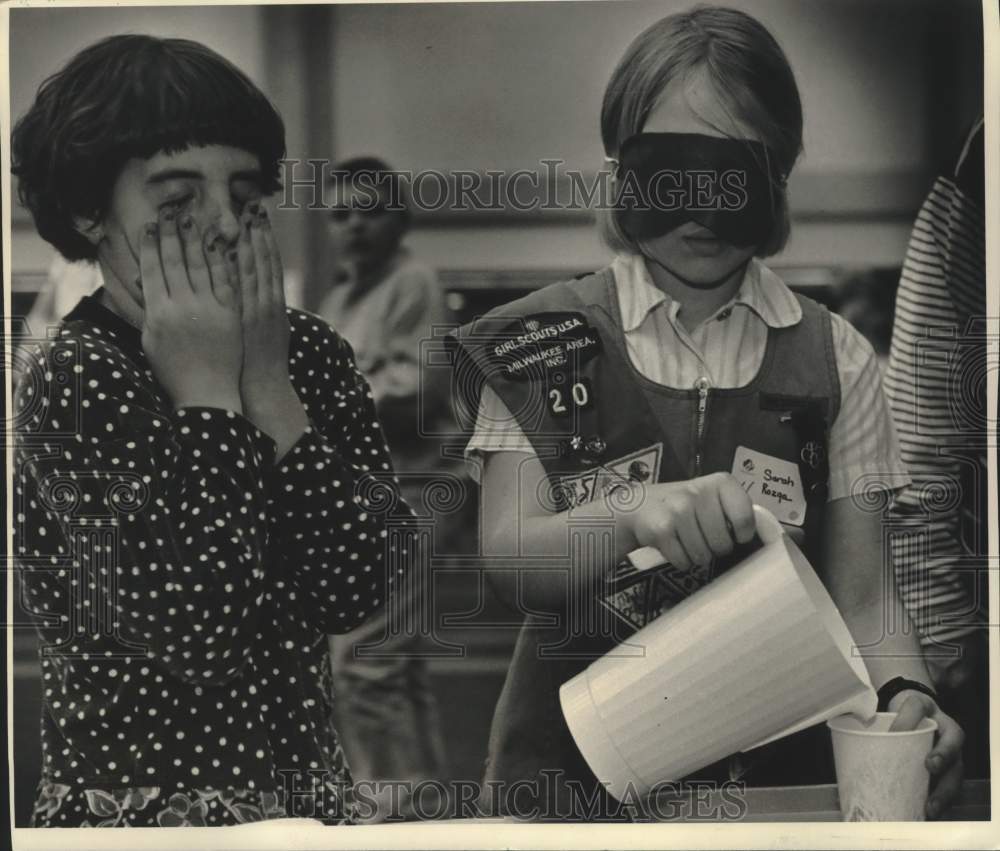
[897, 684]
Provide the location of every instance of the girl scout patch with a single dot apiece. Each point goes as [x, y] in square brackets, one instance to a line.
[638, 598]
[642, 466]
[533, 346]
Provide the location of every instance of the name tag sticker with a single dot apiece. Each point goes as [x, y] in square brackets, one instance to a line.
[771, 483]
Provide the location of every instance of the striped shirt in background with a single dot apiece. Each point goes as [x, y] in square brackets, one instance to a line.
[936, 384]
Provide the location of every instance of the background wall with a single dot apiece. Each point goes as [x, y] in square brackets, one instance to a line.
[469, 85]
[887, 88]
[476, 86]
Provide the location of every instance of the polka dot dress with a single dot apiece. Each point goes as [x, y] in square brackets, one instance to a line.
[184, 581]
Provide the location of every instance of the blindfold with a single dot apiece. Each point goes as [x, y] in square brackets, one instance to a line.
[725, 185]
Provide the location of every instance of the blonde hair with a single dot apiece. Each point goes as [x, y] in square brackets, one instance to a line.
[751, 74]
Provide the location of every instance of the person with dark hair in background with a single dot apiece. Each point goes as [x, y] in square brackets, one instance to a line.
[936, 385]
[196, 463]
[385, 302]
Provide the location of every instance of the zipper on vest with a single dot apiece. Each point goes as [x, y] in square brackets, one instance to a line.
[701, 385]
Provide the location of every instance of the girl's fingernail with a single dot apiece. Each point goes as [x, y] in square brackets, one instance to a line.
[168, 215]
[210, 248]
[152, 228]
[934, 764]
[186, 223]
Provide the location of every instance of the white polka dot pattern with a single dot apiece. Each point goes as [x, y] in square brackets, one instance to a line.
[188, 580]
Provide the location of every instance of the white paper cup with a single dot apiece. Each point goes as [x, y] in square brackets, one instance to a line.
[881, 776]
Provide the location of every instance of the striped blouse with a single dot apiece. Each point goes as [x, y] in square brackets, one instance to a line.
[936, 387]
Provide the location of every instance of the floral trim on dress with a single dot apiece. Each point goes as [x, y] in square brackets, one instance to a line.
[150, 806]
[49, 799]
[184, 810]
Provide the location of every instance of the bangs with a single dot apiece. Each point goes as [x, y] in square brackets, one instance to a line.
[153, 95]
[182, 97]
[741, 105]
[125, 97]
[761, 99]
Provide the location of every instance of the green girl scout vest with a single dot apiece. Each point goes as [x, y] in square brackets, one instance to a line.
[557, 359]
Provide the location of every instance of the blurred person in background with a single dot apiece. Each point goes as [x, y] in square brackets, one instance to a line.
[385, 302]
[936, 385]
[65, 284]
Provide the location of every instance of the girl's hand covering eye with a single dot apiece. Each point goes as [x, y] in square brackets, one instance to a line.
[262, 292]
[192, 338]
[268, 396]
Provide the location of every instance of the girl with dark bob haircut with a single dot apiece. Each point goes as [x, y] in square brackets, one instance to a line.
[196, 463]
[131, 96]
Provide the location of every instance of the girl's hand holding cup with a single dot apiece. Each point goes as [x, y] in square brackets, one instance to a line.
[902, 765]
[944, 762]
[191, 320]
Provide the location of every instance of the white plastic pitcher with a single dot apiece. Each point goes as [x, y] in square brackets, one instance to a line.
[756, 655]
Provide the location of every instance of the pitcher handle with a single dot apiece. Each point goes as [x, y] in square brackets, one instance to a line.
[769, 530]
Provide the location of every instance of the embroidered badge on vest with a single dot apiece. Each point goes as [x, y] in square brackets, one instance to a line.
[533, 347]
[634, 598]
[812, 454]
[640, 466]
[638, 598]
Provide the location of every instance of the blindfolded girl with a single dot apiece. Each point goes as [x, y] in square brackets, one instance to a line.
[657, 399]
